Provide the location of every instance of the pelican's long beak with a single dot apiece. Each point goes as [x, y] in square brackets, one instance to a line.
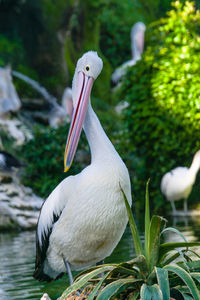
[84, 85]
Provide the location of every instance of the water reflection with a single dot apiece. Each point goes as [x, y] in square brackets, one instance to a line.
[17, 251]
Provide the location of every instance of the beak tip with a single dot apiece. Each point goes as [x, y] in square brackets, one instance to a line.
[66, 169]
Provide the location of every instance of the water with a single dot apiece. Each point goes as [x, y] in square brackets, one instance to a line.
[17, 255]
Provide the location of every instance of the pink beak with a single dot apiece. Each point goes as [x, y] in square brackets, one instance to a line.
[81, 104]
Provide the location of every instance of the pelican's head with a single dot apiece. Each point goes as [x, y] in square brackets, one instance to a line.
[137, 39]
[87, 70]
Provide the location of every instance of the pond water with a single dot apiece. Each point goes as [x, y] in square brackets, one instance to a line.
[17, 255]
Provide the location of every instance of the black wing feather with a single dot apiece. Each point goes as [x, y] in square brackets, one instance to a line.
[41, 254]
[10, 160]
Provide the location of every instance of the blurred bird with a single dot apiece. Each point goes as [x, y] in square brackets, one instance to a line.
[9, 165]
[59, 114]
[137, 45]
[177, 184]
[83, 219]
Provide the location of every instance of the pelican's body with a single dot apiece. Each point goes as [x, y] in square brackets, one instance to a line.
[137, 45]
[177, 184]
[84, 218]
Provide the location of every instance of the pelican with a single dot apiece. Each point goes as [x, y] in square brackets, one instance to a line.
[83, 219]
[137, 45]
[9, 165]
[177, 184]
[59, 114]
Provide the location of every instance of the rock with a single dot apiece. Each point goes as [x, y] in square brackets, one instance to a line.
[19, 207]
[17, 130]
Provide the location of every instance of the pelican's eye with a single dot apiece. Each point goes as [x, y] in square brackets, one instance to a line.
[87, 68]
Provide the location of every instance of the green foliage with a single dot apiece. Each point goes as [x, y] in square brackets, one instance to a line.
[163, 92]
[153, 274]
[11, 51]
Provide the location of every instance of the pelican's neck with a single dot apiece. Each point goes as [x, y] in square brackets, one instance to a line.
[194, 168]
[136, 55]
[100, 145]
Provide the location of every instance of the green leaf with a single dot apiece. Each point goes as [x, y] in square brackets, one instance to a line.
[175, 231]
[169, 258]
[135, 234]
[97, 287]
[145, 293]
[147, 218]
[154, 242]
[185, 276]
[135, 296]
[141, 263]
[156, 292]
[83, 280]
[194, 265]
[185, 292]
[123, 270]
[114, 287]
[166, 247]
[163, 281]
[196, 275]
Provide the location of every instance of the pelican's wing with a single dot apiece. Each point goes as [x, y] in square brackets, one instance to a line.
[50, 212]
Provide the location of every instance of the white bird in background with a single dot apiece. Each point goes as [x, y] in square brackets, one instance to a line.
[177, 184]
[83, 219]
[59, 114]
[137, 46]
[9, 100]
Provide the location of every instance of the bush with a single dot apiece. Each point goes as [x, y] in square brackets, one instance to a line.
[163, 92]
[153, 274]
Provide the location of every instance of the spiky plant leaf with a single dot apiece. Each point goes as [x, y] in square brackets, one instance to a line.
[147, 218]
[145, 293]
[97, 287]
[185, 276]
[141, 263]
[84, 280]
[135, 234]
[175, 231]
[156, 292]
[169, 257]
[195, 275]
[115, 287]
[163, 281]
[154, 242]
[167, 247]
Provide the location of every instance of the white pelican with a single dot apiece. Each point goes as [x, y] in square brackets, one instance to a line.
[59, 114]
[177, 184]
[83, 219]
[137, 45]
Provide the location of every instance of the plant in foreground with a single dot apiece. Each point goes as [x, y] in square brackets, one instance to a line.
[153, 274]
